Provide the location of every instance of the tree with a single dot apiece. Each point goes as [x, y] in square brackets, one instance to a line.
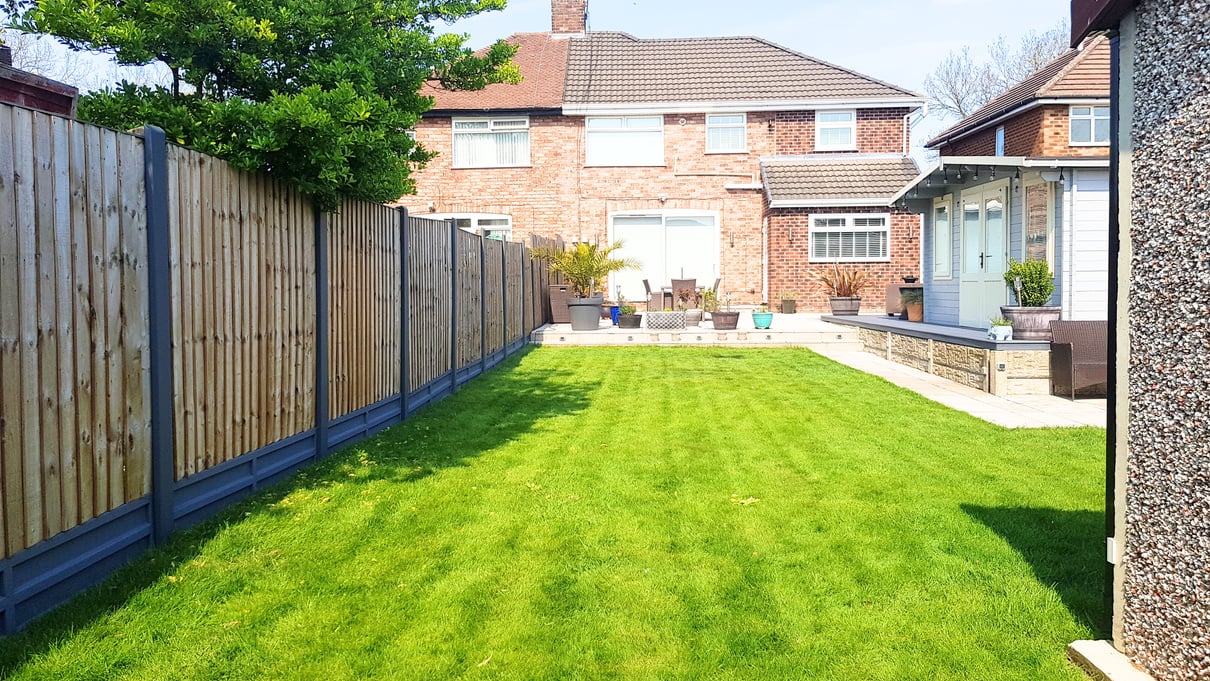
[960, 85]
[321, 93]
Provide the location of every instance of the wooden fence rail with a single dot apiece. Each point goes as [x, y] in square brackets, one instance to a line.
[280, 334]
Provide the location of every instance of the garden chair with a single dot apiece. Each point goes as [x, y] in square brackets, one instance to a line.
[1078, 356]
[657, 300]
[682, 285]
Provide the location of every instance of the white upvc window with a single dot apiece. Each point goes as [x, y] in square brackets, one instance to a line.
[1089, 125]
[726, 133]
[491, 142]
[943, 235]
[836, 130]
[850, 238]
[1000, 141]
[624, 141]
[490, 225]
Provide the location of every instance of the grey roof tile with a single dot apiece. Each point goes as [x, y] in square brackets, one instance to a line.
[864, 178]
[616, 68]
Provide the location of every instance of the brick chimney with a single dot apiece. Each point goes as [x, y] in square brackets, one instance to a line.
[6, 55]
[568, 16]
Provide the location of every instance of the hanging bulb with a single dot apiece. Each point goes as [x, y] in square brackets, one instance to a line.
[976, 176]
[993, 172]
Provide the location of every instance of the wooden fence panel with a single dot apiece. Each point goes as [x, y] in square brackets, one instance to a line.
[74, 418]
[242, 266]
[429, 266]
[514, 255]
[470, 298]
[365, 307]
[494, 258]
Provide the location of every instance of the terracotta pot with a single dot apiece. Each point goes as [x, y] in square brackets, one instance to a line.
[915, 312]
[1031, 323]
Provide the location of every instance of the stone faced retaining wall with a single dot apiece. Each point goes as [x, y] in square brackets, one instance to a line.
[1165, 571]
[1000, 372]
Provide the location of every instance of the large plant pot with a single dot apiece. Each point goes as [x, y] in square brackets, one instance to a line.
[788, 306]
[1000, 334]
[629, 321]
[585, 313]
[725, 321]
[845, 305]
[915, 311]
[558, 303]
[762, 320]
[1031, 323]
[666, 320]
[693, 317]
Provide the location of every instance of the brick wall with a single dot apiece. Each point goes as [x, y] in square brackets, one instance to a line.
[790, 268]
[1041, 131]
[558, 196]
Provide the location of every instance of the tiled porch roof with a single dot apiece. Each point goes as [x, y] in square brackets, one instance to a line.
[854, 180]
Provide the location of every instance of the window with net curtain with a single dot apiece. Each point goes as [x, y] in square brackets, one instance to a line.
[624, 141]
[726, 133]
[850, 238]
[491, 142]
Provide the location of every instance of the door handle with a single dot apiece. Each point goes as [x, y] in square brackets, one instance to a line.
[981, 259]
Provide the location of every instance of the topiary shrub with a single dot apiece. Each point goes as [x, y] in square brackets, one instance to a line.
[1037, 283]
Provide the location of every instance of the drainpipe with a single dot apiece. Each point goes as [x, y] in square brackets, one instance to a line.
[764, 255]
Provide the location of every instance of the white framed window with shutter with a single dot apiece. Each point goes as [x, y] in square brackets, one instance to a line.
[836, 130]
[491, 142]
[726, 133]
[850, 238]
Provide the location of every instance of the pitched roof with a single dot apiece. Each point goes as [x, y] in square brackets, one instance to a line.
[616, 68]
[1075, 73]
[542, 60]
[854, 179]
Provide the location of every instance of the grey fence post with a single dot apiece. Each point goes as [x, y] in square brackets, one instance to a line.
[504, 295]
[482, 304]
[321, 334]
[453, 305]
[405, 363]
[159, 301]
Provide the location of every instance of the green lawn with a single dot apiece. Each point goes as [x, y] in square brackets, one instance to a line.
[636, 513]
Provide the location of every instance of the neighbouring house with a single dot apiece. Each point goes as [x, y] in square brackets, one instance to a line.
[1158, 477]
[32, 91]
[710, 158]
[1024, 177]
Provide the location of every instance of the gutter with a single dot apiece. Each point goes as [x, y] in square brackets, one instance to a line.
[737, 106]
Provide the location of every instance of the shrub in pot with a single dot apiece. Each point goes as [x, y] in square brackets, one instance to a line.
[912, 300]
[1031, 284]
[762, 318]
[843, 288]
[1001, 329]
[721, 314]
[585, 266]
[689, 301]
[788, 302]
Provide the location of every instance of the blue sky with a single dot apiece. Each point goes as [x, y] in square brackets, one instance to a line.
[898, 42]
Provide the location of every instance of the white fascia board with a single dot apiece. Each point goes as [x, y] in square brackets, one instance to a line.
[946, 161]
[935, 165]
[829, 203]
[737, 106]
[1066, 163]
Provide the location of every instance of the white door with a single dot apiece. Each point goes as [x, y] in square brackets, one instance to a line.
[984, 255]
[667, 246]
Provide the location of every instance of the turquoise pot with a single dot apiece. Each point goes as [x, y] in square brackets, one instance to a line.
[762, 320]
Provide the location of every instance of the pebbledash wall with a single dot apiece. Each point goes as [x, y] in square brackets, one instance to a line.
[1162, 580]
[558, 196]
[1040, 132]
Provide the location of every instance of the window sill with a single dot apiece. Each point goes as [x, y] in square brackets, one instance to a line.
[490, 167]
[821, 149]
[626, 165]
[847, 262]
[734, 152]
[1088, 144]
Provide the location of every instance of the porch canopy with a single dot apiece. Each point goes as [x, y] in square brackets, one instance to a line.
[949, 174]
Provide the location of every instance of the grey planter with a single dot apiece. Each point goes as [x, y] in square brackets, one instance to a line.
[725, 321]
[1031, 323]
[585, 313]
[629, 321]
[845, 305]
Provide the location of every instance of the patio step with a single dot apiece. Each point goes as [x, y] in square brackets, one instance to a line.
[818, 335]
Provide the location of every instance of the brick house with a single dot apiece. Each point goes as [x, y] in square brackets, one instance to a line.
[1024, 177]
[729, 158]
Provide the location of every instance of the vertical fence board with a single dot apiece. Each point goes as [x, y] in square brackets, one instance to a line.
[13, 521]
[82, 322]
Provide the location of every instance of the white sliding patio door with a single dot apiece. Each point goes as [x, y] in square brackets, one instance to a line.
[984, 223]
[668, 245]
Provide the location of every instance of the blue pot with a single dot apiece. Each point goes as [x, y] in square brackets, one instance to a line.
[613, 313]
[762, 320]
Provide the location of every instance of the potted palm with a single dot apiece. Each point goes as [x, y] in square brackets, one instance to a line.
[1032, 285]
[844, 289]
[585, 266]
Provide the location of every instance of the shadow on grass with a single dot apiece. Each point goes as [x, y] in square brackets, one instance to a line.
[490, 411]
[1065, 549]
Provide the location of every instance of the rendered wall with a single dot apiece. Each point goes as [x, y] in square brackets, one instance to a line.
[1164, 576]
